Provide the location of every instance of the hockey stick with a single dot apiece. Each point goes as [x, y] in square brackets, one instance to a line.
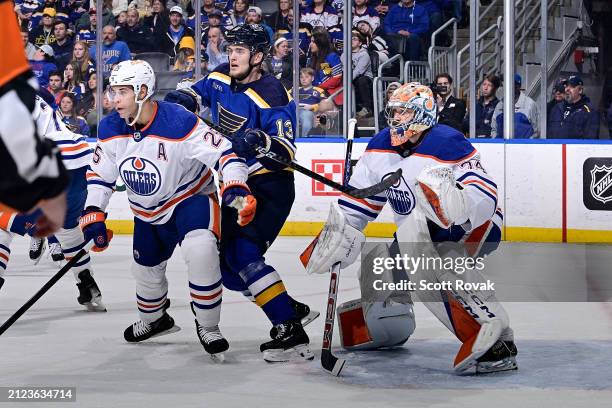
[346, 189]
[329, 362]
[9, 322]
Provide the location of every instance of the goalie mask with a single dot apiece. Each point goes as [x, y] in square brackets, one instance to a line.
[411, 110]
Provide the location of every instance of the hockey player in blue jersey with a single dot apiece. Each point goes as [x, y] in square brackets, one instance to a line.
[258, 110]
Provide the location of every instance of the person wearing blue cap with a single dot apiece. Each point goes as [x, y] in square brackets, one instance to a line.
[526, 115]
[576, 117]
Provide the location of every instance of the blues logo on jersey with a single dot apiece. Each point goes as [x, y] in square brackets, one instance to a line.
[400, 197]
[140, 175]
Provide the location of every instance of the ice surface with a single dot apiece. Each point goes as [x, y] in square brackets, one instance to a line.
[565, 349]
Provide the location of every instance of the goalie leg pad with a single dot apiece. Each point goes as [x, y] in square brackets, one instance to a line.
[337, 242]
[374, 325]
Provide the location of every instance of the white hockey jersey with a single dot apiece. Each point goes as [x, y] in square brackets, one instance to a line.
[74, 149]
[442, 145]
[163, 164]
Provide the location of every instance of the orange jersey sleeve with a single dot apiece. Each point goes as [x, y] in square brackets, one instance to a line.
[13, 61]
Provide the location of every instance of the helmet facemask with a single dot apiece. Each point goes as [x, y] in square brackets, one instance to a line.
[409, 112]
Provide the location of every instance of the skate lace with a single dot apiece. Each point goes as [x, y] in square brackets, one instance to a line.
[209, 334]
[35, 244]
[55, 248]
[281, 329]
[139, 328]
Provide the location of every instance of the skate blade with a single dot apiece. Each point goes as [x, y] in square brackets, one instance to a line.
[310, 317]
[171, 330]
[487, 367]
[298, 353]
[218, 358]
[95, 305]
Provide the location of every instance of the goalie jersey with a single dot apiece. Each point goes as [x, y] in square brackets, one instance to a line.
[162, 164]
[441, 145]
[264, 104]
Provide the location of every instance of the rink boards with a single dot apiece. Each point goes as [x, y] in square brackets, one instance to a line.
[548, 191]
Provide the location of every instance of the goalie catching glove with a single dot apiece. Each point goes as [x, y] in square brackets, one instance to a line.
[93, 227]
[238, 195]
[337, 242]
[440, 197]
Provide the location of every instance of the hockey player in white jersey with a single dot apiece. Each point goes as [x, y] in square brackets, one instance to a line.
[443, 196]
[165, 156]
[76, 155]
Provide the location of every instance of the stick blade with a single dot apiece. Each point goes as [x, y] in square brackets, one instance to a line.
[331, 363]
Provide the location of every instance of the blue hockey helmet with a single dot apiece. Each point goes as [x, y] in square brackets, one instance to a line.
[253, 36]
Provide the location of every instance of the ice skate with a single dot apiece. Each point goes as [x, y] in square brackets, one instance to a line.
[37, 249]
[304, 313]
[141, 330]
[500, 357]
[289, 343]
[213, 341]
[89, 293]
[55, 253]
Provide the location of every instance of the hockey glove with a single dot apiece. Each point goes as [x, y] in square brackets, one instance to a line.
[252, 141]
[93, 227]
[237, 195]
[185, 97]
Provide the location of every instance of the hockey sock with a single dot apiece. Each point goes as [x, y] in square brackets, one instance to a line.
[151, 290]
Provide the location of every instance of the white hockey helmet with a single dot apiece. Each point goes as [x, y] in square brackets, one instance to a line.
[134, 73]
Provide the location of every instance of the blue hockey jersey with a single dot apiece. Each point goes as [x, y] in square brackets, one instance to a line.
[263, 104]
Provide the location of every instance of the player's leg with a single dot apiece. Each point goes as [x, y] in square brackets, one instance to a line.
[244, 250]
[152, 247]
[5, 245]
[55, 249]
[198, 222]
[476, 317]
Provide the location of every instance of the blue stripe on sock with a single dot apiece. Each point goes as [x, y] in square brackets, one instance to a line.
[205, 288]
[199, 306]
[151, 300]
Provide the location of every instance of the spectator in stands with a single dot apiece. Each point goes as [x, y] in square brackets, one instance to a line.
[63, 45]
[30, 49]
[309, 99]
[26, 9]
[43, 64]
[279, 61]
[121, 20]
[87, 106]
[215, 48]
[160, 17]
[278, 19]
[185, 5]
[255, 16]
[169, 40]
[145, 7]
[526, 116]
[81, 57]
[118, 7]
[382, 117]
[320, 14]
[362, 11]
[382, 6]
[137, 37]
[326, 64]
[55, 86]
[574, 118]
[558, 96]
[434, 11]
[237, 15]
[113, 51]
[43, 33]
[67, 105]
[374, 42]
[208, 6]
[185, 56]
[85, 27]
[204, 64]
[362, 75]
[451, 110]
[485, 106]
[73, 80]
[411, 21]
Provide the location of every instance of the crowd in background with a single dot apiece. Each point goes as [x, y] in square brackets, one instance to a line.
[59, 38]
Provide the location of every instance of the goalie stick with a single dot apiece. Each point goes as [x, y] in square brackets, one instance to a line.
[11, 320]
[329, 362]
[346, 189]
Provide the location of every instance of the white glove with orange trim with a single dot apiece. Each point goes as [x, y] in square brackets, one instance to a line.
[238, 195]
[93, 227]
[440, 197]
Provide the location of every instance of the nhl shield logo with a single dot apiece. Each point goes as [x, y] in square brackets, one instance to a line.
[601, 183]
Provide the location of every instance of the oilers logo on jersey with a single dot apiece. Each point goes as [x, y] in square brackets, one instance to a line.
[140, 175]
[400, 197]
